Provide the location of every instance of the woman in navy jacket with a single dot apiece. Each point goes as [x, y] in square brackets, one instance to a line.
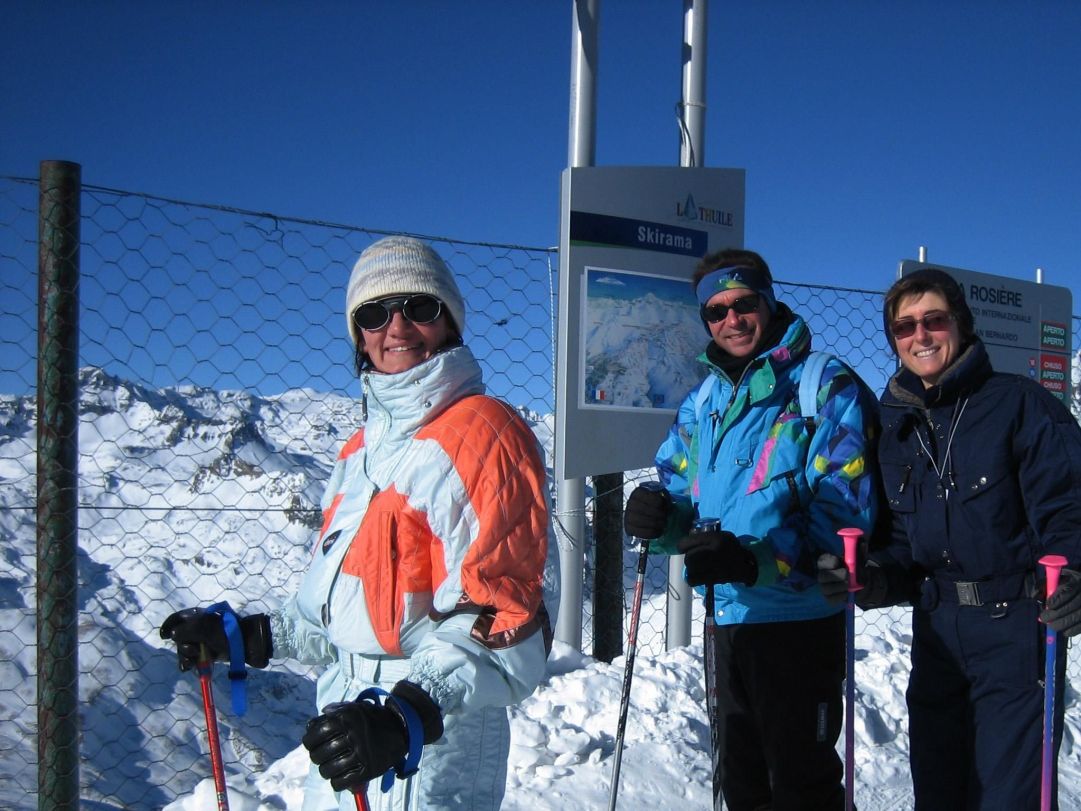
[982, 472]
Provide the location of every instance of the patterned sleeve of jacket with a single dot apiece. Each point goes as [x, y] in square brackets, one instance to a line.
[674, 470]
[497, 578]
[1047, 443]
[839, 474]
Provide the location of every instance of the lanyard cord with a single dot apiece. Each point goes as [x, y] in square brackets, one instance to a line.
[946, 467]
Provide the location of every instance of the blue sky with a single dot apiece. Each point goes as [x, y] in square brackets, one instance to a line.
[866, 129]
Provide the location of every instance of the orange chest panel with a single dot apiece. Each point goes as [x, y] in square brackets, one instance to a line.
[394, 553]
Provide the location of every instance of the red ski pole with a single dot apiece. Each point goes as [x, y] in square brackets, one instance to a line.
[361, 797]
[203, 668]
[851, 538]
[1052, 566]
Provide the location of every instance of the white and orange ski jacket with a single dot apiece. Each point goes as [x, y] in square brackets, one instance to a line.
[436, 545]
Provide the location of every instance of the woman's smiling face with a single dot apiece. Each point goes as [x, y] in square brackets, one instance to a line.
[927, 352]
[401, 344]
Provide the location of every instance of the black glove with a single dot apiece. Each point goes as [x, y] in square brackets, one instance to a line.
[833, 579]
[1063, 611]
[194, 628]
[357, 741]
[646, 513]
[717, 556]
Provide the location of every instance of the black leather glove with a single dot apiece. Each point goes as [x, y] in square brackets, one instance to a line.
[646, 513]
[717, 556]
[833, 579]
[355, 742]
[1063, 611]
[193, 628]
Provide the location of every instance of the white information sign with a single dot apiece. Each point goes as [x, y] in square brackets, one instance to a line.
[628, 330]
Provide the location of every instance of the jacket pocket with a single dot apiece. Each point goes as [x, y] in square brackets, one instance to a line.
[899, 488]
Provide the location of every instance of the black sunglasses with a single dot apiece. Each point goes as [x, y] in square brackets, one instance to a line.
[420, 309]
[745, 305]
[932, 322]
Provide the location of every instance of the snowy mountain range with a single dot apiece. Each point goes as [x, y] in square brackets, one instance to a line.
[188, 496]
[642, 352]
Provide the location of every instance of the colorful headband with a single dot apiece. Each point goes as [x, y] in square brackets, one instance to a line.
[729, 278]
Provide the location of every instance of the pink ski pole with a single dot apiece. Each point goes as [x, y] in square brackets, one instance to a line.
[851, 538]
[1052, 566]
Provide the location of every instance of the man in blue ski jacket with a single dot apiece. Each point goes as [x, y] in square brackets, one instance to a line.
[781, 486]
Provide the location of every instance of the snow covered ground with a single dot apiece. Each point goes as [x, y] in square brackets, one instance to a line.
[563, 737]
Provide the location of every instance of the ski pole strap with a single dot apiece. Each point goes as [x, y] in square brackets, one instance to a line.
[414, 734]
[238, 673]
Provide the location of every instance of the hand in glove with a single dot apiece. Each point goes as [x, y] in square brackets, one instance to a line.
[194, 628]
[717, 556]
[1063, 610]
[647, 510]
[357, 741]
[833, 579]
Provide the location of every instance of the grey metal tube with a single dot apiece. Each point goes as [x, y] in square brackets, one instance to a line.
[693, 105]
[571, 493]
[692, 153]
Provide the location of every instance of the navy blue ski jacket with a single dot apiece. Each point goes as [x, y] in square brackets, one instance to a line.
[982, 475]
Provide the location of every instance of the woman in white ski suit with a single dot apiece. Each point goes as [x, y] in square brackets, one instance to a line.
[435, 566]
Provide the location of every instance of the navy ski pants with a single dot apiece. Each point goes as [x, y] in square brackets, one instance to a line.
[781, 707]
[975, 703]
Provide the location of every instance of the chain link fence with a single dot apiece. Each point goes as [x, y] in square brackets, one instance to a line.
[215, 388]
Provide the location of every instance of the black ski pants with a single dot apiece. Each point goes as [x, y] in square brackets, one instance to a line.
[975, 705]
[780, 711]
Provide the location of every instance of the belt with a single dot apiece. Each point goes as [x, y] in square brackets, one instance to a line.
[982, 592]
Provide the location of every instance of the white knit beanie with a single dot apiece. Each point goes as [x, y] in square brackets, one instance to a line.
[397, 266]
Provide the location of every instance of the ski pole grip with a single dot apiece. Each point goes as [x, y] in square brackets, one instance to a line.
[1052, 568]
[851, 537]
[653, 487]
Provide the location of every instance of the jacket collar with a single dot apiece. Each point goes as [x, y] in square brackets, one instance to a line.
[764, 370]
[405, 401]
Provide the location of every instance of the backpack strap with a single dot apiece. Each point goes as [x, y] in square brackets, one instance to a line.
[704, 391]
[809, 382]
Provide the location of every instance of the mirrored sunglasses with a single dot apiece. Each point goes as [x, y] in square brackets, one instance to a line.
[420, 309]
[932, 322]
[745, 305]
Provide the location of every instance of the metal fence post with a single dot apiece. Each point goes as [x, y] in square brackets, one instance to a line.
[57, 485]
[608, 591]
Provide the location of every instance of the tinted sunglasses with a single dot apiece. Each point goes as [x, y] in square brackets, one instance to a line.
[932, 322]
[420, 309]
[745, 305]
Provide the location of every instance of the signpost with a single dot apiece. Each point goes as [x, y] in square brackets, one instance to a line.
[629, 329]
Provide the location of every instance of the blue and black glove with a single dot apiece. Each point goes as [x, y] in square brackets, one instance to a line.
[1063, 610]
[717, 556]
[355, 742]
[195, 628]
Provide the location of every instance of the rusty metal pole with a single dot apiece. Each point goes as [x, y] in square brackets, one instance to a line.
[57, 485]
